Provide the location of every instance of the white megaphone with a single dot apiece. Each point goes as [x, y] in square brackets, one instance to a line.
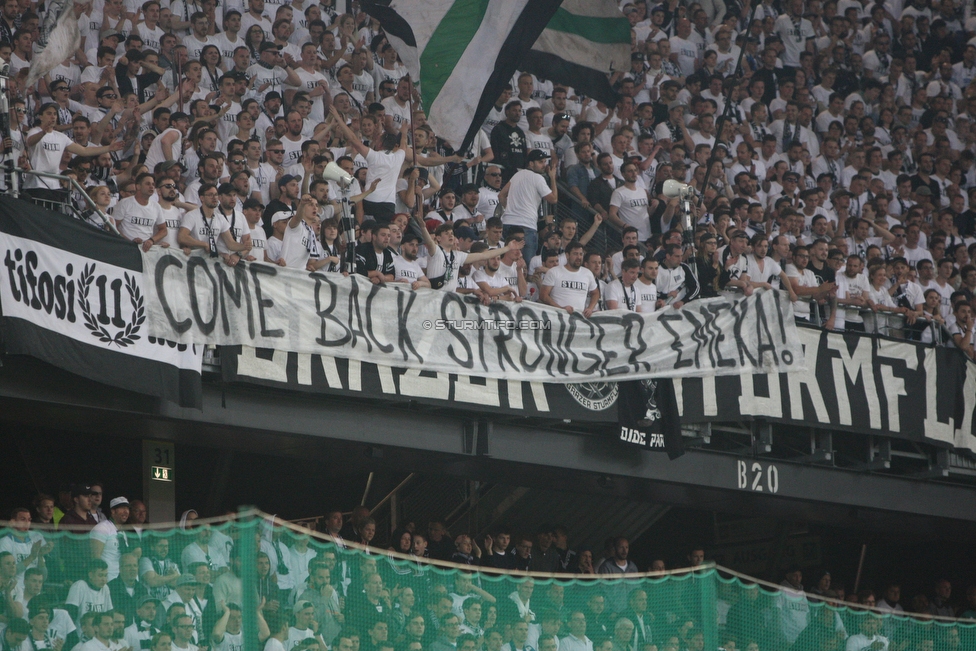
[333, 172]
[674, 188]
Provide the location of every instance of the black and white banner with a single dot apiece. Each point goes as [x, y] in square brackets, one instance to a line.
[199, 300]
[322, 374]
[858, 383]
[74, 297]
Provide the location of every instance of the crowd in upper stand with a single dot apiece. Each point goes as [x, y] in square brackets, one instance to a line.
[841, 171]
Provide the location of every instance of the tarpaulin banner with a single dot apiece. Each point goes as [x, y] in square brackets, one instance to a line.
[74, 298]
[200, 300]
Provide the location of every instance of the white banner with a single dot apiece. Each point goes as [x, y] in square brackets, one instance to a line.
[87, 300]
[200, 300]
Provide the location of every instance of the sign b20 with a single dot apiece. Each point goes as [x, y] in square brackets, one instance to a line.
[757, 477]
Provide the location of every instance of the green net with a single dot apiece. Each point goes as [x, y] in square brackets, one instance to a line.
[247, 585]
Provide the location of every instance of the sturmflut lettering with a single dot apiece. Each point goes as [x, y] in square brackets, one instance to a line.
[202, 301]
[854, 382]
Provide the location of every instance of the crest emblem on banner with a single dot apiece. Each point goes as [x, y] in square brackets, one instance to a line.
[653, 413]
[111, 293]
[595, 396]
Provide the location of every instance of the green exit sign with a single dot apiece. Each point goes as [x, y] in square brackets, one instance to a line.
[162, 473]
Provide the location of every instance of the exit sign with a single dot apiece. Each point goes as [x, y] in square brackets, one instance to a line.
[162, 473]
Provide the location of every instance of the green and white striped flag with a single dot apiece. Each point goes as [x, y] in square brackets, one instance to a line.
[463, 52]
[585, 41]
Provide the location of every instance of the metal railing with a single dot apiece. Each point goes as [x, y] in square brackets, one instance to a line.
[68, 205]
[888, 324]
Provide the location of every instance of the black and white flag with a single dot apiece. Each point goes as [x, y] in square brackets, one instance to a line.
[647, 411]
[74, 298]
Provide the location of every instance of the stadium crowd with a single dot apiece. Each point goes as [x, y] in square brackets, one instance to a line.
[119, 585]
[843, 175]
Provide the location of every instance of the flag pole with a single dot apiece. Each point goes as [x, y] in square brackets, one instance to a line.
[418, 201]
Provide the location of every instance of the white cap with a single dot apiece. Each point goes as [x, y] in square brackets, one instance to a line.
[283, 214]
[118, 501]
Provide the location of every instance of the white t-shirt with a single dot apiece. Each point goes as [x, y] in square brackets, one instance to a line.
[770, 270]
[21, 549]
[494, 281]
[45, 156]
[230, 642]
[400, 114]
[850, 288]
[136, 221]
[632, 209]
[386, 167]
[445, 264]
[86, 599]
[173, 217]
[107, 533]
[648, 296]
[525, 193]
[801, 307]
[407, 270]
[295, 245]
[203, 229]
[295, 636]
[627, 298]
[570, 287]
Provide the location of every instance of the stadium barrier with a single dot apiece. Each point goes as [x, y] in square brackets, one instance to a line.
[259, 567]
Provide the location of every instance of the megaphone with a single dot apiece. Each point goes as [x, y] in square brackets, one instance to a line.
[333, 172]
[674, 188]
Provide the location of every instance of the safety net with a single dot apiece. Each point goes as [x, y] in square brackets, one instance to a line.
[258, 584]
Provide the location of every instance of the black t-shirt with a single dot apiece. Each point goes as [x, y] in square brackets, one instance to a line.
[600, 191]
[509, 146]
[825, 275]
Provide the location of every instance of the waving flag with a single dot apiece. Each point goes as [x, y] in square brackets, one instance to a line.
[584, 42]
[463, 52]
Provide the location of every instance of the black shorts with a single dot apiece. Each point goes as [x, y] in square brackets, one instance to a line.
[381, 212]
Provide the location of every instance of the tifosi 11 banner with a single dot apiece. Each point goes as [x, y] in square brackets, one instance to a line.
[74, 297]
[200, 300]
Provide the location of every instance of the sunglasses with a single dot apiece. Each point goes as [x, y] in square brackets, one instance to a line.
[109, 96]
[276, 151]
[167, 186]
[238, 161]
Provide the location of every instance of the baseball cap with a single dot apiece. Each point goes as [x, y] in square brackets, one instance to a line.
[288, 178]
[167, 165]
[147, 599]
[80, 489]
[465, 233]
[108, 33]
[675, 104]
[302, 605]
[269, 45]
[272, 95]
[117, 502]
[923, 191]
[536, 154]
[186, 579]
[280, 215]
